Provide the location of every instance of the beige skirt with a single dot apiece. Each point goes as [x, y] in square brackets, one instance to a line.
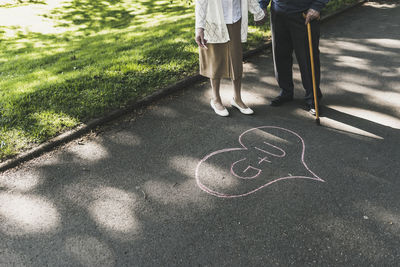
[224, 60]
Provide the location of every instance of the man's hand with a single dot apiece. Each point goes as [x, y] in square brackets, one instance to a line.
[201, 42]
[311, 15]
[264, 20]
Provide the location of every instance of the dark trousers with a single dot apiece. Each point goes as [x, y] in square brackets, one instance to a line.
[289, 33]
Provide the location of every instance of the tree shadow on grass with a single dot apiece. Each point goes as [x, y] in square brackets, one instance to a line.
[21, 2]
[161, 7]
[93, 16]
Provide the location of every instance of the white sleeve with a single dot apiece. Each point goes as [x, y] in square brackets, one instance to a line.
[255, 9]
[201, 13]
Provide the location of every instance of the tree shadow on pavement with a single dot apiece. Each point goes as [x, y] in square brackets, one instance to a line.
[129, 197]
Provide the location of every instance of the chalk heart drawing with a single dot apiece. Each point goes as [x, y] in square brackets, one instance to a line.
[266, 155]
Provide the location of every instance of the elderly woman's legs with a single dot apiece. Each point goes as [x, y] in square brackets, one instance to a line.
[237, 86]
[236, 101]
[237, 96]
[216, 97]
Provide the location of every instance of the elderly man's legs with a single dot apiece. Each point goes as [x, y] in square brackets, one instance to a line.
[282, 49]
[300, 44]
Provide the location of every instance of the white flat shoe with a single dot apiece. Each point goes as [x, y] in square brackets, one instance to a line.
[223, 113]
[247, 111]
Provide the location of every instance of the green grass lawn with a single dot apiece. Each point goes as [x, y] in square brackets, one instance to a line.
[64, 62]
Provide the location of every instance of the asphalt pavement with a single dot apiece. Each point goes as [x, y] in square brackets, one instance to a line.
[175, 185]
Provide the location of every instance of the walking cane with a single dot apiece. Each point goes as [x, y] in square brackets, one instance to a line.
[313, 73]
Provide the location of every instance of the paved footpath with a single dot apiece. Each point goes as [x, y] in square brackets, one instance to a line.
[175, 185]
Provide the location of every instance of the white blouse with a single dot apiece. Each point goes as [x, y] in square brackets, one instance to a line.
[232, 11]
[210, 17]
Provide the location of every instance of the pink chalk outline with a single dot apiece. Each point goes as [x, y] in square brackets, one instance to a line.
[249, 167]
[263, 159]
[243, 147]
[272, 154]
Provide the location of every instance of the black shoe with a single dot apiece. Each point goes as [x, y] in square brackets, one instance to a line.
[279, 100]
